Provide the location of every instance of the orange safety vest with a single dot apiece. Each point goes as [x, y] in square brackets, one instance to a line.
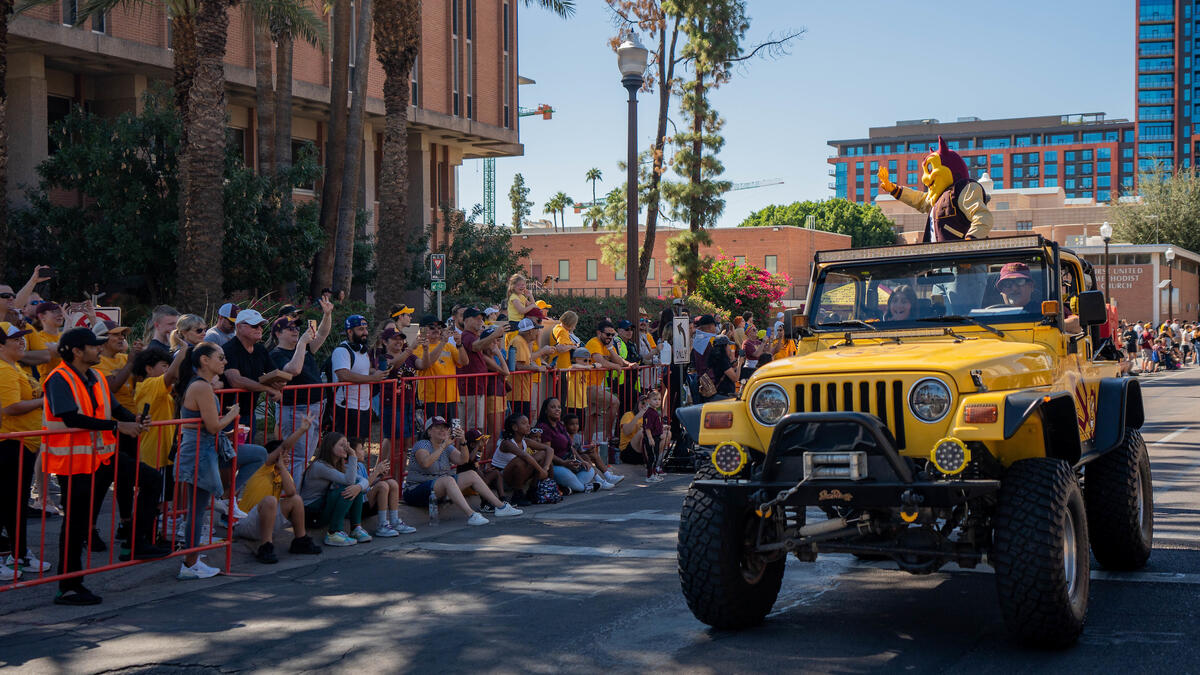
[81, 451]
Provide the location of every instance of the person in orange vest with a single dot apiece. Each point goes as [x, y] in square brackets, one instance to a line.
[78, 397]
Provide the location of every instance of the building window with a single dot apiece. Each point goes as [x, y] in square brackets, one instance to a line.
[912, 179]
[739, 260]
[1051, 182]
[1050, 170]
[1024, 225]
[1103, 153]
[100, 23]
[997, 159]
[237, 138]
[300, 145]
[57, 108]
[564, 270]
[456, 75]
[470, 56]
[1085, 154]
[771, 264]
[619, 274]
[506, 77]
[414, 80]
[650, 271]
[1070, 169]
[591, 269]
[912, 165]
[70, 12]
[1018, 172]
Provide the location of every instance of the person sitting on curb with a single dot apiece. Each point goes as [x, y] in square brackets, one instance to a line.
[431, 474]
[332, 491]
[271, 501]
[383, 495]
[518, 460]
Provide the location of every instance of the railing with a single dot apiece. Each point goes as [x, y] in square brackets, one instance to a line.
[383, 419]
[153, 511]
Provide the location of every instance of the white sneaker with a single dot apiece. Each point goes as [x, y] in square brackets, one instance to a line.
[386, 531]
[654, 478]
[477, 519]
[613, 478]
[9, 573]
[238, 514]
[197, 571]
[28, 563]
[402, 527]
[605, 485]
[506, 510]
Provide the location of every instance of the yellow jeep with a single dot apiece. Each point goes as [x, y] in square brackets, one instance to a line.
[984, 422]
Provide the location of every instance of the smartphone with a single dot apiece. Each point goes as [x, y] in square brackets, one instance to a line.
[312, 325]
[455, 426]
[145, 413]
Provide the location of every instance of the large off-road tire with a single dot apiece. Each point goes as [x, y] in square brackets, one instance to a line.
[1119, 495]
[725, 587]
[1040, 552]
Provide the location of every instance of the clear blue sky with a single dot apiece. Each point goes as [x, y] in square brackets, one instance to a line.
[861, 63]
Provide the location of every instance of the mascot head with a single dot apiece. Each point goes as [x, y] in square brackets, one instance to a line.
[943, 167]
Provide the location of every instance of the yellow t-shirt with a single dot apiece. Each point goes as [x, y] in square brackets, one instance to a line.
[265, 481]
[14, 388]
[577, 396]
[442, 390]
[788, 349]
[626, 439]
[515, 302]
[595, 346]
[522, 380]
[111, 364]
[34, 342]
[562, 336]
[156, 442]
[45, 339]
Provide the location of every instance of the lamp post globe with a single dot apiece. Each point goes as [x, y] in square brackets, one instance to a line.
[631, 61]
[1106, 234]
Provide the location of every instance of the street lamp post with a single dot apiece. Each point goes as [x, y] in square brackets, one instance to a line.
[1170, 256]
[1106, 233]
[631, 60]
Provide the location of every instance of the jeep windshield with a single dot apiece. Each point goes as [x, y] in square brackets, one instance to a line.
[879, 294]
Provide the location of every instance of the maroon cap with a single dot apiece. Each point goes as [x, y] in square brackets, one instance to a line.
[392, 333]
[474, 435]
[43, 307]
[1014, 270]
[284, 323]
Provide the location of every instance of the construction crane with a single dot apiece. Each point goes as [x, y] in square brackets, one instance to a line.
[489, 166]
[600, 201]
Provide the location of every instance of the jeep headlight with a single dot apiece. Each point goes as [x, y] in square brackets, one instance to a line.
[769, 404]
[929, 399]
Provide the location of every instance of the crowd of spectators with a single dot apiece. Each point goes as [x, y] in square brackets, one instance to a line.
[501, 403]
[1148, 350]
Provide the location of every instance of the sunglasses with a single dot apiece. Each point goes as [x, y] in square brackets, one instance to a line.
[610, 335]
[8, 296]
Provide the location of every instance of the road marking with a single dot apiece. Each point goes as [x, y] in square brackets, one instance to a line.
[669, 554]
[652, 515]
[1171, 436]
[547, 549]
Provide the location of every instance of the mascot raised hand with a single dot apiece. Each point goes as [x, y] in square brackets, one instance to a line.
[957, 205]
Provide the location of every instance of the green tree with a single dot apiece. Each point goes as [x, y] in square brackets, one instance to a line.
[1169, 212]
[593, 175]
[518, 196]
[865, 223]
[564, 202]
[594, 216]
[479, 256]
[551, 207]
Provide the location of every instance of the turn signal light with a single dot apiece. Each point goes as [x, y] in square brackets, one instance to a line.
[980, 413]
[1049, 308]
[718, 420]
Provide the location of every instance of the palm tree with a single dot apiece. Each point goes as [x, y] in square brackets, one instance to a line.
[335, 146]
[595, 216]
[551, 207]
[593, 175]
[397, 41]
[563, 202]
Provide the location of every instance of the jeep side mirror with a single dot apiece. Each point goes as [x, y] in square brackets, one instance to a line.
[795, 324]
[1092, 311]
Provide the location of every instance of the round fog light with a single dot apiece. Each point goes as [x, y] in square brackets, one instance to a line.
[950, 456]
[729, 458]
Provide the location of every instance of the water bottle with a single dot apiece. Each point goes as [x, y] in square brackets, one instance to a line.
[433, 509]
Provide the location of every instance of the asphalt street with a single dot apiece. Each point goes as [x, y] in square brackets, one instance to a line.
[590, 585]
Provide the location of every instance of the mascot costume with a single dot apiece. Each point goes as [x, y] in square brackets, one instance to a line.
[957, 205]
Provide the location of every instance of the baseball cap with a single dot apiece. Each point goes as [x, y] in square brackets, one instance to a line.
[491, 310]
[434, 421]
[581, 353]
[487, 331]
[76, 337]
[470, 312]
[475, 435]
[289, 309]
[430, 320]
[12, 331]
[283, 323]
[542, 304]
[779, 315]
[526, 324]
[250, 316]
[355, 320]
[1014, 270]
[403, 309]
[624, 324]
[392, 333]
[228, 310]
[106, 327]
[43, 307]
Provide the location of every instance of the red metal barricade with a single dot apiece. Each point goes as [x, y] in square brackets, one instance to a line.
[124, 469]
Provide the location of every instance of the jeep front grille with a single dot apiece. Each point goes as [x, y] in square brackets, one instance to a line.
[882, 398]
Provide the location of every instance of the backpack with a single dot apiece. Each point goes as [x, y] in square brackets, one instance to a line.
[547, 492]
[327, 375]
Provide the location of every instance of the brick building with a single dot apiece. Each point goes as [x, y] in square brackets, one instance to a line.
[1140, 277]
[1087, 155]
[573, 257]
[464, 87]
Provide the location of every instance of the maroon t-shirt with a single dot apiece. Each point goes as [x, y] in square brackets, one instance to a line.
[472, 386]
[556, 436]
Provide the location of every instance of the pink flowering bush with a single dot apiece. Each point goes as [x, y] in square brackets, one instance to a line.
[742, 288]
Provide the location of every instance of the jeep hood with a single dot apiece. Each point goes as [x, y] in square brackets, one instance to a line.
[1003, 364]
